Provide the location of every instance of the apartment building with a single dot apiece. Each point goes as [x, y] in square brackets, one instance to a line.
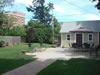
[20, 17]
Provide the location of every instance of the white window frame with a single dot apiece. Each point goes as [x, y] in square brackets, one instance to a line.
[88, 37]
[67, 37]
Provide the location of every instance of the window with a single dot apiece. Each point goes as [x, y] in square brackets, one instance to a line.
[90, 37]
[68, 37]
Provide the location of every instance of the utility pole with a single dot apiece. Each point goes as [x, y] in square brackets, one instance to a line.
[52, 23]
[53, 28]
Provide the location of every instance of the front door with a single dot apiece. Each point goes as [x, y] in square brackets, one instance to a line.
[79, 40]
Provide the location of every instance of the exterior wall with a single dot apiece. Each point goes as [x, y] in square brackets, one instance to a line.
[11, 40]
[85, 38]
[65, 43]
[95, 38]
[20, 17]
[63, 40]
[73, 40]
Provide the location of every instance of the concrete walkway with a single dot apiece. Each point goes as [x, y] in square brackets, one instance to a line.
[44, 59]
[31, 68]
[60, 53]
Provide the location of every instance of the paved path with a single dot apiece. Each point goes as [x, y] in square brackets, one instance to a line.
[31, 68]
[60, 53]
[44, 59]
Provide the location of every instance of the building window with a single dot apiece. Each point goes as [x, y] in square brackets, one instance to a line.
[68, 36]
[90, 37]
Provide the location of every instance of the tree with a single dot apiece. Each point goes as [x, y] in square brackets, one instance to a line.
[41, 11]
[30, 35]
[57, 28]
[5, 3]
[6, 23]
[97, 5]
[38, 30]
[3, 17]
[17, 31]
[3, 22]
[35, 24]
[46, 32]
[9, 23]
[41, 36]
[55, 31]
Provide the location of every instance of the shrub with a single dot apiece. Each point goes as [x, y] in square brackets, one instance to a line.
[18, 31]
[2, 43]
[52, 40]
[42, 35]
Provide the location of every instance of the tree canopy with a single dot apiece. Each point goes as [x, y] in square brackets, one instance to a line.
[17, 31]
[5, 3]
[41, 11]
[43, 33]
[57, 28]
[5, 21]
[41, 21]
[35, 24]
[98, 4]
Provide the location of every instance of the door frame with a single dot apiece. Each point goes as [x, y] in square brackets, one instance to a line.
[82, 37]
[99, 37]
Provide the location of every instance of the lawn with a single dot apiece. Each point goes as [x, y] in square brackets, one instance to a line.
[11, 57]
[73, 67]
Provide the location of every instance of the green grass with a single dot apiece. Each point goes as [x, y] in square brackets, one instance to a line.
[73, 67]
[11, 57]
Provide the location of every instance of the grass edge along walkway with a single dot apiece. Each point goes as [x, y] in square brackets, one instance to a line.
[73, 67]
[11, 57]
[31, 68]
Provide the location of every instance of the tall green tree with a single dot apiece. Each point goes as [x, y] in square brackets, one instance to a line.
[35, 24]
[5, 3]
[6, 23]
[17, 31]
[41, 11]
[30, 35]
[98, 4]
[56, 35]
[3, 17]
[57, 28]
[38, 30]
[46, 32]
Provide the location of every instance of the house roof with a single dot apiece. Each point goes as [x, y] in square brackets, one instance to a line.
[81, 29]
[87, 25]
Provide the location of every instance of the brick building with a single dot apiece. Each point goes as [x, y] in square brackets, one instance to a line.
[20, 17]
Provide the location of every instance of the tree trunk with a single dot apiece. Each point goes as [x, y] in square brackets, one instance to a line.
[41, 44]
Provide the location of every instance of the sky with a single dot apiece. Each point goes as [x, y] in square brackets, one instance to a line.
[64, 10]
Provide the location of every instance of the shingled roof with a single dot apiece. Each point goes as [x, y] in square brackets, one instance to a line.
[87, 25]
[81, 29]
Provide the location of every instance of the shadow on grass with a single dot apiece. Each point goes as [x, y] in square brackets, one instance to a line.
[10, 64]
[31, 68]
[73, 67]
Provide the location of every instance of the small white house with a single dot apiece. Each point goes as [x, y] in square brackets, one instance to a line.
[80, 32]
